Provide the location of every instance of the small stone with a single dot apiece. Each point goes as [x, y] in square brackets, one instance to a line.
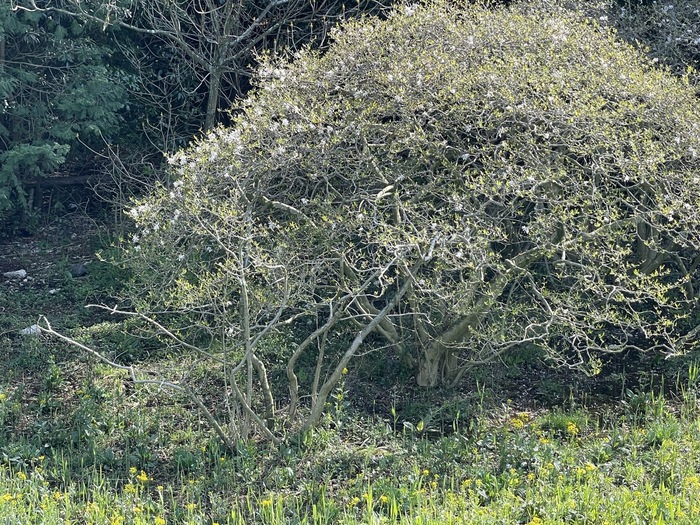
[17, 274]
[53, 291]
[78, 270]
[35, 329]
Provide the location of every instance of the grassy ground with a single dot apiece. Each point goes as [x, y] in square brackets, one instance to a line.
[519, 444]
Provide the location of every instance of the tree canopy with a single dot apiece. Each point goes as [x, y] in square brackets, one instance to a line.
[132, 80]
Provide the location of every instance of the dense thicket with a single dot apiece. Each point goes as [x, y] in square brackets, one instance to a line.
[120, 83]
[57, 89]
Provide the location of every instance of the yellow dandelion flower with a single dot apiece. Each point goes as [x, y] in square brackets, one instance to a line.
[21, 475]
[517, 423]
[267, 502]
[159, 521]
[132, 470]
[426, 472]
[345, 371]
[383, 499]
[354, 501]
[571, 428]
[142, 477]
[692, 482]
[191, 507]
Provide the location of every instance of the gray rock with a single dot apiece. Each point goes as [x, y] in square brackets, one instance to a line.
[17, 274]
[78, 270]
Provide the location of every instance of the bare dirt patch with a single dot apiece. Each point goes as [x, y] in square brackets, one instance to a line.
[52, 248]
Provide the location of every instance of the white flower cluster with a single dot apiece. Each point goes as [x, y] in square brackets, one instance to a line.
[273, 73]
[138, 211]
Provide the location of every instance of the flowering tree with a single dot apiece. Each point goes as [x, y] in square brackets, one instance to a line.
[453, 182]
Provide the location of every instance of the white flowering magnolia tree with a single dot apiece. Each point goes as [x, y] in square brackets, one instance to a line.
[449, 184]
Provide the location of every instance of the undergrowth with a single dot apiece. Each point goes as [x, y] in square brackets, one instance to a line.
[507, 466]
[517, 444]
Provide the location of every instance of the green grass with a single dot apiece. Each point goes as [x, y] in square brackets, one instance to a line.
[508, 467]
[80, 445]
